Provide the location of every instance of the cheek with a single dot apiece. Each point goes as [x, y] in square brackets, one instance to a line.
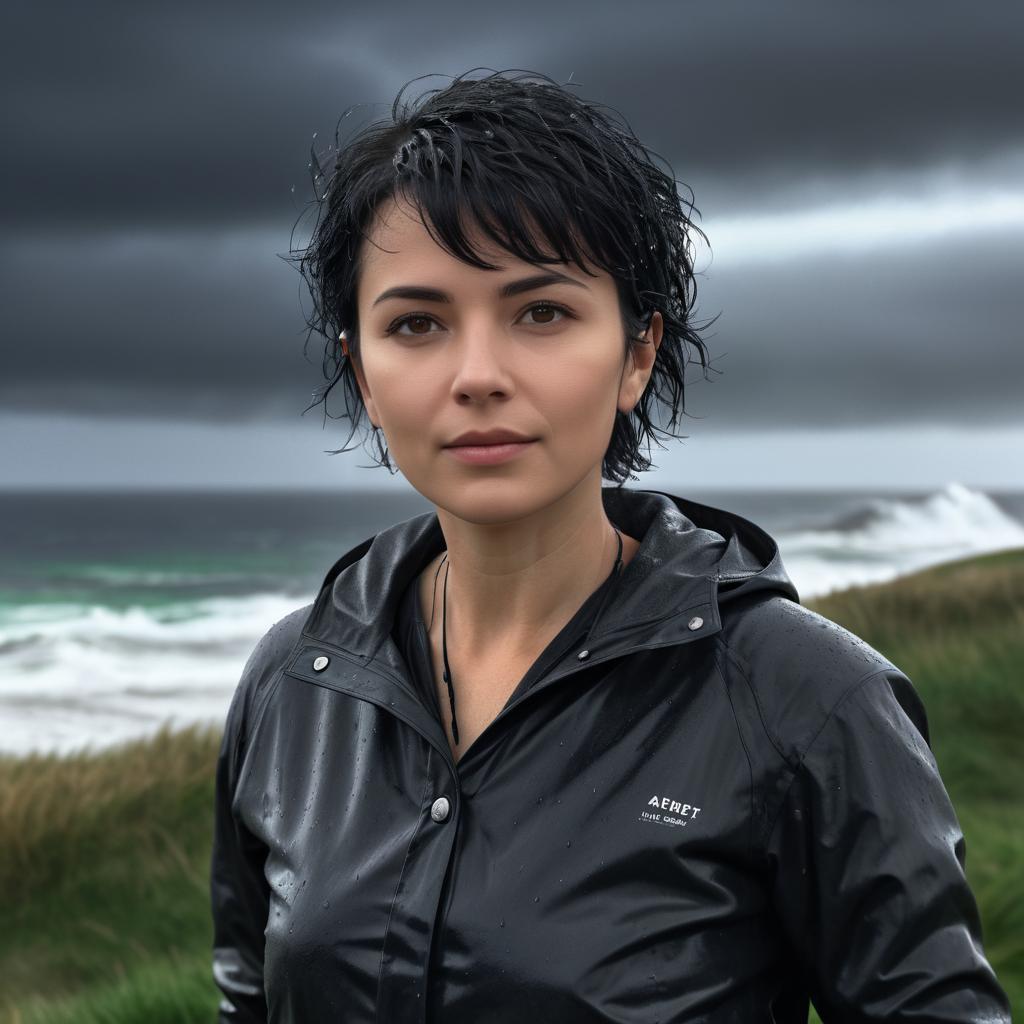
[581, 393]
[402, 398]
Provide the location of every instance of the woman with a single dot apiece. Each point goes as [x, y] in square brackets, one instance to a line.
[557, 751]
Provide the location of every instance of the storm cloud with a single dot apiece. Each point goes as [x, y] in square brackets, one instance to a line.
[156, 166]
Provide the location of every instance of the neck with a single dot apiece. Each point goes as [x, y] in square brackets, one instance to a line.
[509, 582]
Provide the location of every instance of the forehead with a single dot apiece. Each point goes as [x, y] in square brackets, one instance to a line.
[399, 243]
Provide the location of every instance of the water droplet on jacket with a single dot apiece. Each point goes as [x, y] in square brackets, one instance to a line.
[568, 843]
[501, 923]
[326, 904]
[536, 899]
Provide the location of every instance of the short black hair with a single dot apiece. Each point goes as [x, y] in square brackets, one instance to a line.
[514, 151]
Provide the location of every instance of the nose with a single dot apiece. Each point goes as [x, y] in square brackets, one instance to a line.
[482, 356]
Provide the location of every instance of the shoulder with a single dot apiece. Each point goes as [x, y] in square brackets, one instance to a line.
[273, 647]
[800, 667]
[270, 654]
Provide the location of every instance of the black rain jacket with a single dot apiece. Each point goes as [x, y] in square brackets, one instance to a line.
[710, 804]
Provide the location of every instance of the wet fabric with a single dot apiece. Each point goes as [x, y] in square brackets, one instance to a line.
[720, 807]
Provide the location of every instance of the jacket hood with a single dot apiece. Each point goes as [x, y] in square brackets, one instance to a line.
[692, 559]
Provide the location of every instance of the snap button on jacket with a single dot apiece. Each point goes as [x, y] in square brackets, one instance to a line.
[728, 807]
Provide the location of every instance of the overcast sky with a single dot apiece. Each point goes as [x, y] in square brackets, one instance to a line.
[858, 168]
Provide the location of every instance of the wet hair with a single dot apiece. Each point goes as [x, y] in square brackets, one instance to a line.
[527, 161]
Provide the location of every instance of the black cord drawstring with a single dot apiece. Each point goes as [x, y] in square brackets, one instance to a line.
[447, 675]
[444, 654]
[444, 647]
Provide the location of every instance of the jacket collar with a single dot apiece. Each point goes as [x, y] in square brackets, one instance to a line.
[692, 559]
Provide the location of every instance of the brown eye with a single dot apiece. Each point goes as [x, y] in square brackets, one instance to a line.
[546, 309]
[412, 318]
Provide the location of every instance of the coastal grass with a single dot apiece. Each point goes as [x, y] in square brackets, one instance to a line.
[104, 882]
[104, 856]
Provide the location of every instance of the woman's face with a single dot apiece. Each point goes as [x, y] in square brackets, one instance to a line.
[547, 362]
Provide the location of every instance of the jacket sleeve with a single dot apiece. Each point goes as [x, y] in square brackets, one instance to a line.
[868, 860]
[239, 892]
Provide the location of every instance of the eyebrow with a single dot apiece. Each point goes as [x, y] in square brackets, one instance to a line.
[527, 284]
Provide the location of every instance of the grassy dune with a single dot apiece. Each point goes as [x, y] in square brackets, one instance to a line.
[104, 857]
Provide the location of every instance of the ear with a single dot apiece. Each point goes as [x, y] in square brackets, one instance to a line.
[640, 364]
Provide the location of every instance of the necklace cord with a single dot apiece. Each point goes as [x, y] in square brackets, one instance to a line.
[447, 676]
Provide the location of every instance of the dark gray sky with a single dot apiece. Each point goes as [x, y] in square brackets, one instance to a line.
[859, 171]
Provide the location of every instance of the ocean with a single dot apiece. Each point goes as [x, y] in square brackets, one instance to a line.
[122, 611]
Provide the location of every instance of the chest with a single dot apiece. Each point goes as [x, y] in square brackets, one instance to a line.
[601, 838]
[482, 689]
[482, 685]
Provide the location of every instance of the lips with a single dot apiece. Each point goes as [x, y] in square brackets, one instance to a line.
[488, 444]
[488, 454]
[493, 444]
[482, 439]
